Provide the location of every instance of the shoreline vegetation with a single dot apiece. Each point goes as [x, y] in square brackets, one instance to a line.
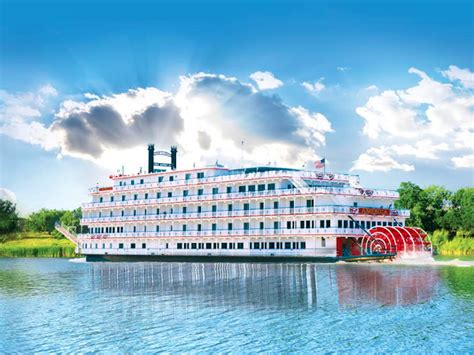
[446, 216]
[36, 244]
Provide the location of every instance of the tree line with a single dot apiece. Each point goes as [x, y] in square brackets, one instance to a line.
[43, 220]
[435, 208]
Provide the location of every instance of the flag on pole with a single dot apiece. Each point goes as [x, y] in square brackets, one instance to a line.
[320, 163]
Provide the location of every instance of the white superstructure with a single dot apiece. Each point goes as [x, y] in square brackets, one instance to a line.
[218, 212]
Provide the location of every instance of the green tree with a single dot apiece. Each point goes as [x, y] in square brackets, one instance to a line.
[8, 217]
[428, 206]
[44, 220]
[460, 215]
[412, 198]
[71, 218]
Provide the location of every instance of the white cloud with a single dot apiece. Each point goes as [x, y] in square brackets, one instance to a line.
[207, 118]
[8, 195]
[466, 161]
[266, 80]
[379, 159]
[343, 69]
[372, 88]
[21, 115]
[465, 76]
[315, 87]
[422, 121]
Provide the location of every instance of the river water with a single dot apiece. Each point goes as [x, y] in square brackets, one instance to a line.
[54, 305]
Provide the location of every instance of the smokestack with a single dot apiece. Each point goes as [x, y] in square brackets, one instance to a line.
[174, 151]
[151, 158]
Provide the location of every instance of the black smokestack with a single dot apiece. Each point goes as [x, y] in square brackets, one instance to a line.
[174, 152]
[151, 158]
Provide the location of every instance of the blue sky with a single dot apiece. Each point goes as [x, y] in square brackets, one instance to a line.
[336, 84]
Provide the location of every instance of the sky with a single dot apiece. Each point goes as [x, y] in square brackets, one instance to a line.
[382, 89]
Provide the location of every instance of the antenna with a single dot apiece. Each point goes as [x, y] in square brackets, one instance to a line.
[242, 154]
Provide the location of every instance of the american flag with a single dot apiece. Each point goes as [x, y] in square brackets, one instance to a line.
[320, 163]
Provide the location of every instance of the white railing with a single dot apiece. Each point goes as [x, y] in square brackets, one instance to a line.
[229, 178]
[243, 195]
[229, 233]
[243, 214]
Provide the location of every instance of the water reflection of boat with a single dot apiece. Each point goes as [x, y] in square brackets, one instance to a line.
[385, 285]
[265, 284]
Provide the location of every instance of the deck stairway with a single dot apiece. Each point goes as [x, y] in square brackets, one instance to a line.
[299, 183]
[66, 232]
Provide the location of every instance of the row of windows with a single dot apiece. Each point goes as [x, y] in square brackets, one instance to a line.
[276, 225]
[200, 192]
[208, 246]
[188, 176]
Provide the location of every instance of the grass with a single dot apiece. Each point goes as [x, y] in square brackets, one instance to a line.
[36, 244]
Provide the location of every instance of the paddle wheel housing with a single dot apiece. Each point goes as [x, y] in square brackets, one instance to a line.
[396, 240]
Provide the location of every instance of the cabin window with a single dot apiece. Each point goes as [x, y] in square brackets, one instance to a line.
[123, 197]
[171, 178]
[275, 204]
[101, 199]
[240, 245]
[208, 245]
[287, 245]
[215, 190]
[120, 245]
[200, 175]
[184, 227]
[328, 223]
[271, 186]
[261, 187]
[170, 194]
[214, 226]
[251, 188]
[271, 245]
[179, 245]
[193, 246]
[200, 192]
[133, 182]
[143, 245]
[246, 206]
[229, 226]
[246, 226]
[199, 227]
[229, 207]
[214, 208]
[184, 209]
[157, 228]
[229, 189]
[262, 225]
[135, 197]
[141, 181]
[223, 245]
[132, 246]
[187, 176]
[160, 178]
[276, 225]
[302, 245]
[323, 242]
[185, 193]
[262, 205]
[339, 223]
